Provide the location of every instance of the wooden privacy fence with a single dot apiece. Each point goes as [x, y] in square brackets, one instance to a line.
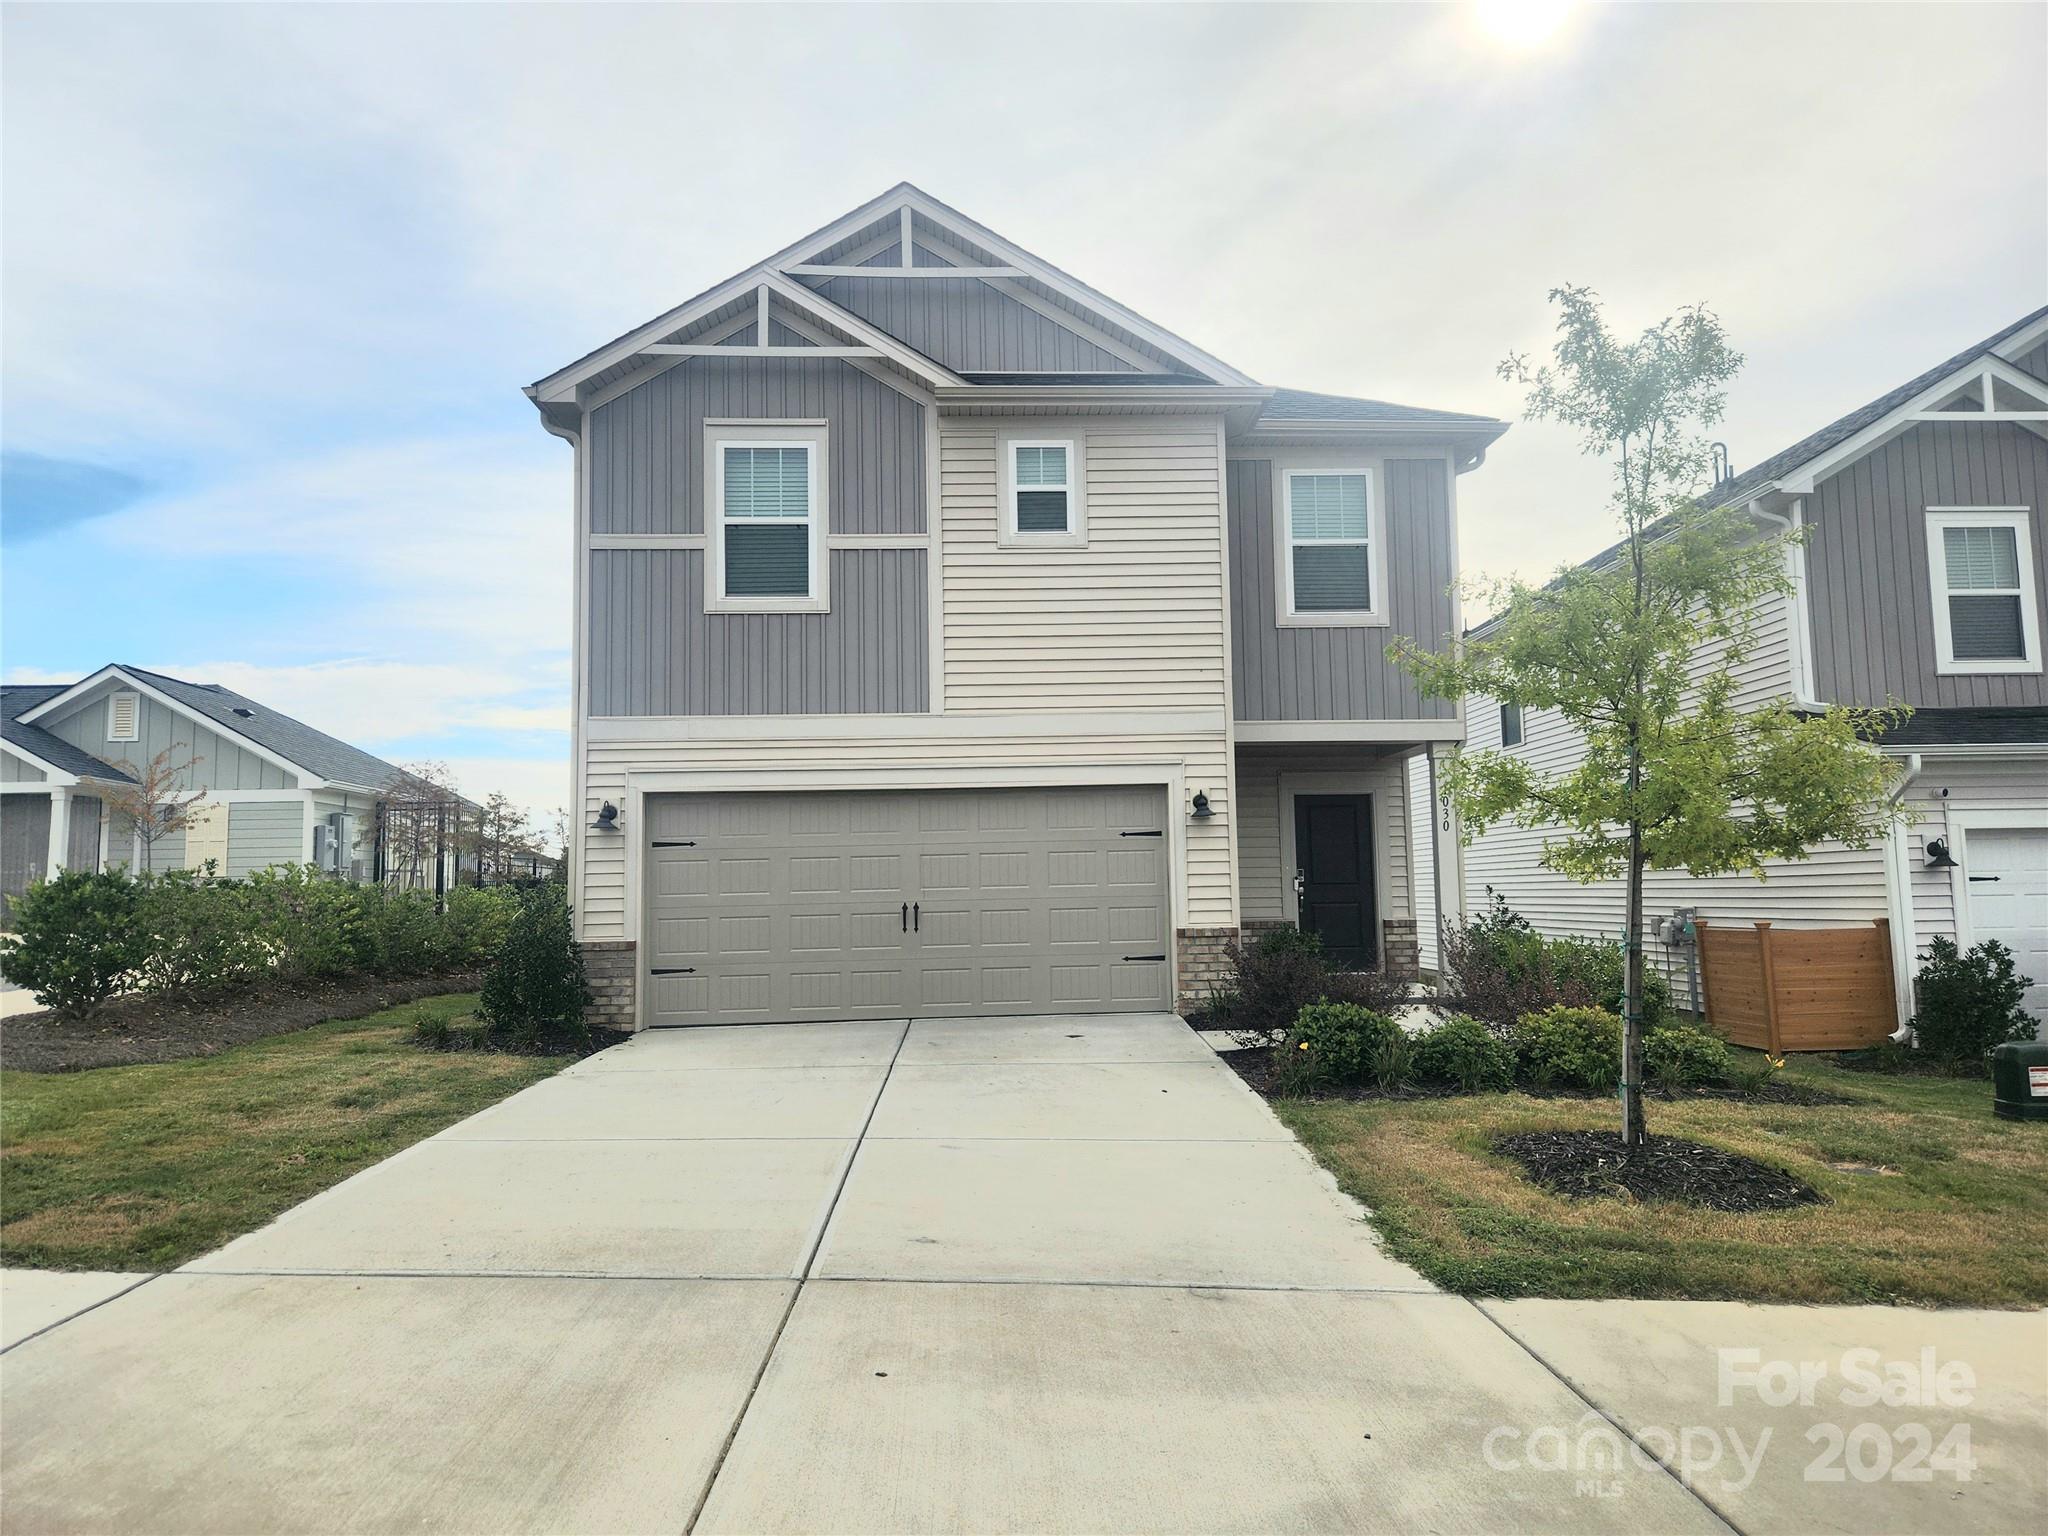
[1799, 989]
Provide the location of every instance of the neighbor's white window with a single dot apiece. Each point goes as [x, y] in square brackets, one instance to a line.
[124, 716]
[1042, 502]
[766, 520]
[1330, 567]
[1980, 567]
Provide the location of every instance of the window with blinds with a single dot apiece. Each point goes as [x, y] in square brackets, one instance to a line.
[1982, 578]
[1041, 480]
[766, 512]
[1329, 543]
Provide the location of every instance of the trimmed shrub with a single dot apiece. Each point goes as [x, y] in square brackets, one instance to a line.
[477, 921]
[1570, 1048]
[1464, 1051]
[537, 983]
[77, 940]
[1279, 973]
[1332, 1045]
[1969, 1002]
[198, 936]
[1679, 1056]
[311, 926]
[399, 933]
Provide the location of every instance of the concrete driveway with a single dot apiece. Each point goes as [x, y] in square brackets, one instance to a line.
[1035, 1275]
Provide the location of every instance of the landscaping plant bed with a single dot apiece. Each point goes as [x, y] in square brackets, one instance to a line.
[1255, 1066]
[1584, 1165]
[139, 1029]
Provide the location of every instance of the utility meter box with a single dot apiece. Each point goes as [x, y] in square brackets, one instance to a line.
[2019, 1080]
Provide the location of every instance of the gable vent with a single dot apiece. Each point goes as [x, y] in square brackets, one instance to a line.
[124, 717]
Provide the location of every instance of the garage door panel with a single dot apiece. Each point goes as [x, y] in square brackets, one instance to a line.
[792, 905]
[2005, 872]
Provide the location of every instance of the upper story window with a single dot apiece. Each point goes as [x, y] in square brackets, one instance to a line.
[124, 716]
[1331, 561]
[765, 519]
[1041, 493]
[1980, 564]
[1511, 725]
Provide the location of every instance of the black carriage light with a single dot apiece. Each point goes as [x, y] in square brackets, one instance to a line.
[607, 818]
[1937, 854]
[1202, 811]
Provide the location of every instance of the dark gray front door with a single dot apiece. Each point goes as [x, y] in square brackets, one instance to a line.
[1333, 855]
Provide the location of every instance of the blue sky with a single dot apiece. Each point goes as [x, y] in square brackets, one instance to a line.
[273, 276]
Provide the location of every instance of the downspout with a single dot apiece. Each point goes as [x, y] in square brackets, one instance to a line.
[1898, 896]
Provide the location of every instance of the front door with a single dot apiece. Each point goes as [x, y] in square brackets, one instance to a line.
[1333, 874]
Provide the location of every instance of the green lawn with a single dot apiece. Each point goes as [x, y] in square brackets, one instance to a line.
[1958, 1217]
[146, 1167]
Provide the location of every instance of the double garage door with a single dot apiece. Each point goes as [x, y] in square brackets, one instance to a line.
[913, 903]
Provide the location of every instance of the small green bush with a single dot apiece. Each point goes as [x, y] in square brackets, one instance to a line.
[1464, 1051]
[1332, 1045]
[311, 926]
[1969, 1002]
[431, 1031]
[537, 981]
[477, 921]
[1504, 969]
[198, 935]
[1570, 1048]
[1393, 1062]
[398, 932]
[1679, 1056]
[1280, 972]
[77, 940]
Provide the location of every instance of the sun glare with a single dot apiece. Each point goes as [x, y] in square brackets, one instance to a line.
[1522, 24]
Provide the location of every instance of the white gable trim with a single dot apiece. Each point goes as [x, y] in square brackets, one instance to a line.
[52, 774]
[308, 779]
[2023, 340]
[1917, 410]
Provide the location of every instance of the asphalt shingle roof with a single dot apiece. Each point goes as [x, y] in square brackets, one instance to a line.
[1307, 405]
[325, 755]
[18, 698]
[1843, 428]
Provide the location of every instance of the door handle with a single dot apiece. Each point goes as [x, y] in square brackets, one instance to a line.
[1300, 882]
[913, 917]
[906, 917]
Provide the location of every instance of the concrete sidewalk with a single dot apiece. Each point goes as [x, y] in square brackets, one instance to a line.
[1043, 1274]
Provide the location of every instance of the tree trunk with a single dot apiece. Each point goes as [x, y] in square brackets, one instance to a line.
[1633, 1130]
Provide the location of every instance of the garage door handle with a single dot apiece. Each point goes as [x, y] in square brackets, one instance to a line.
[1144, 957]
[673, 970]
[913, 917]
[1974, 879]
[669, 842]
[1141, 834]
[906, 917]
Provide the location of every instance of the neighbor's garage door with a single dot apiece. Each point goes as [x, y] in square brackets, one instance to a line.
[893, 904]
[2007, 875]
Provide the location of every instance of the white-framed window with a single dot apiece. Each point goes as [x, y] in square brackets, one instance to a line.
[1043, 505]
[124, 716]
[764, 518]
[1980, 572]
[1511, 725]
[1332, 563]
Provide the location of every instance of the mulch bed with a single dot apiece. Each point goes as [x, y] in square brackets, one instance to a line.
[1255, 1066]
[1583, 1165]
[134, 1030]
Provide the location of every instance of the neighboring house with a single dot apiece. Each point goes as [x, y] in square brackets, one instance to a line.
[951, 639]
[1921, 585]
[277, 791]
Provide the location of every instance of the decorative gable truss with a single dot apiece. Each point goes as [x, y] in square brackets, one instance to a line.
[886, 288]
[1984, 390]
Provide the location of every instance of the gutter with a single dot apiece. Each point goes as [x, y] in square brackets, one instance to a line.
[1898, 900]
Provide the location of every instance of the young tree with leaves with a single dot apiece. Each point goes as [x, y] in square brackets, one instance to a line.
[157, 804]
[1637, 653]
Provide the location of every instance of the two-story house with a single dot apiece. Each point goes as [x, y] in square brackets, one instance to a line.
[951, 639]
[1920, 584]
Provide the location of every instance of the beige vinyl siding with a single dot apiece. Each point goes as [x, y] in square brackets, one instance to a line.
[1972, 785]
[1262, 862]
[1134, 617]
[262, 833]
[1834, 885]
[1208, 874]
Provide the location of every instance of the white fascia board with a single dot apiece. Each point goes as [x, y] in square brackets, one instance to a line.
[1803, 480]
[308, 779]
[2023, 340]
[1400, 732]
[52, 774]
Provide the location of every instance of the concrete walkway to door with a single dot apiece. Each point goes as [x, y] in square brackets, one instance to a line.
[1049, 1274]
